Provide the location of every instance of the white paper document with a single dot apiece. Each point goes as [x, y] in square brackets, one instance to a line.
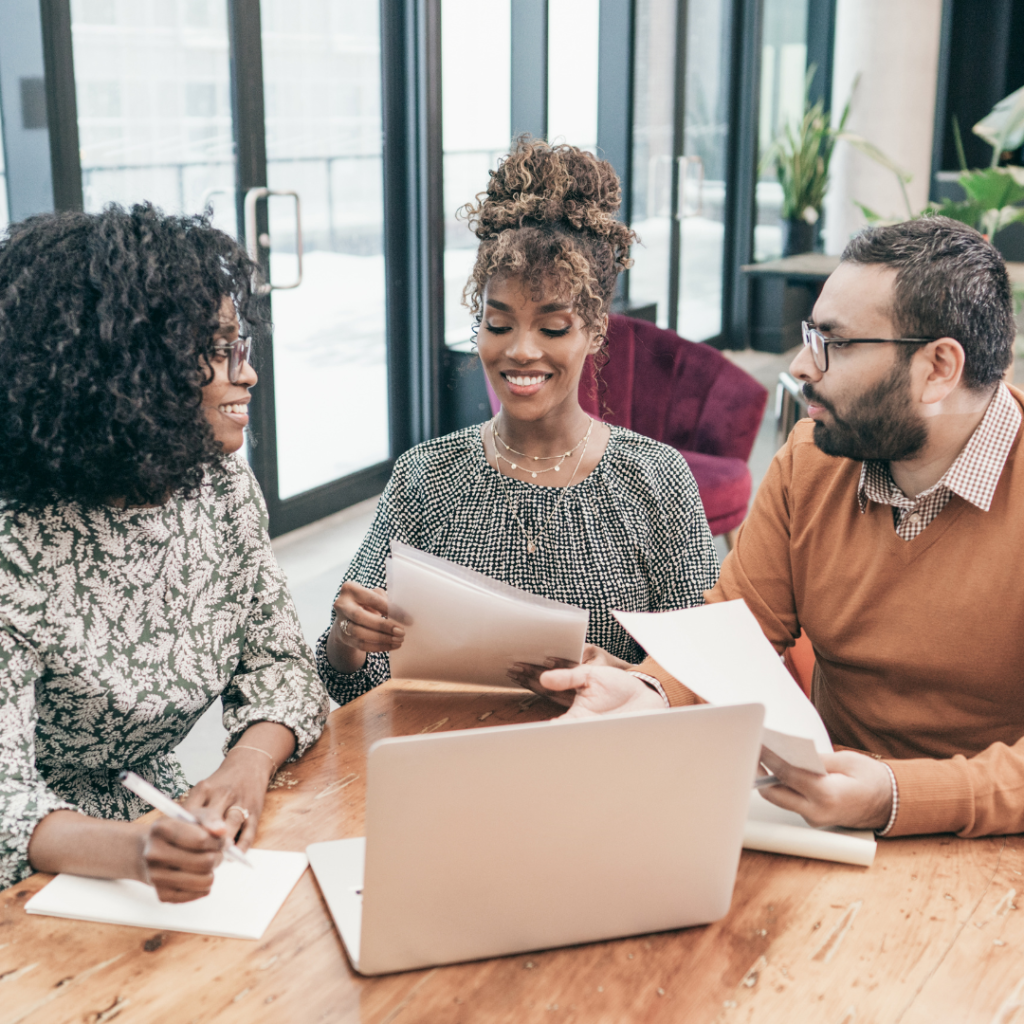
[241, 904]
[775, 830]
[719, 652]
[464, 627]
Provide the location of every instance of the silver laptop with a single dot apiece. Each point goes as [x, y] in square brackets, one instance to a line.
[487, 842]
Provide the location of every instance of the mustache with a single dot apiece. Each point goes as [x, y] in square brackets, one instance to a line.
[812, 396]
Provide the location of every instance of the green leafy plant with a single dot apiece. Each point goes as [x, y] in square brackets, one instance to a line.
[994, 194]
[801, 154]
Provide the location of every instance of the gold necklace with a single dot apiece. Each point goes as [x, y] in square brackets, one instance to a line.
[531, 542]
[536, 458]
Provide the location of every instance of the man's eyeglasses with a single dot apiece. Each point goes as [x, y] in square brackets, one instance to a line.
[238, 353]
[818, 343]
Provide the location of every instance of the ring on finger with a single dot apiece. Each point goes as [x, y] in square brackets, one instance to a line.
[343, 628]
[242, 810]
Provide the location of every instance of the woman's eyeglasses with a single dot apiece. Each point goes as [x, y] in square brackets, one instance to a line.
[818, 343]
[238, 353]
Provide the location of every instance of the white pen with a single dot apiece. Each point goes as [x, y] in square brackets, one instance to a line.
[164, 804]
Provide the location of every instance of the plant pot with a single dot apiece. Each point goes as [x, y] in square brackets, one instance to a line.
[798, 236]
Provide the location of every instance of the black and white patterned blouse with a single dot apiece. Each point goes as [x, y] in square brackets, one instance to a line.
[631, 536]
[118, 629]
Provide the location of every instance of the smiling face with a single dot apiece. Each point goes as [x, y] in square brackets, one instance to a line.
[863, 407]
[533, 349]
[226, 404]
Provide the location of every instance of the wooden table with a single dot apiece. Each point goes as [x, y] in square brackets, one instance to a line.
[930, 933]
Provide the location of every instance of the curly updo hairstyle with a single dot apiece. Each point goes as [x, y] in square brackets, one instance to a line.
[547, 219]
[106, 336]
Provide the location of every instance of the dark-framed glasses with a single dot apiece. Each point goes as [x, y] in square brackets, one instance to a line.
[238, 353]
[818, 343]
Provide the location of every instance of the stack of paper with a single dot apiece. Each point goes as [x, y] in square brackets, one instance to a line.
[775, 830]
[719, 652]
[241, 904]
[464, 627]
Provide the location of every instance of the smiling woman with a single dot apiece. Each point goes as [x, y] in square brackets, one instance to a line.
[137, 582]
[542, 497]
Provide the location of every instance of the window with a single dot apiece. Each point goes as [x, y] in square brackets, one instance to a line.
[653, 149]
[154, 117]
[783, 67]
[476, 77]
[321, 74]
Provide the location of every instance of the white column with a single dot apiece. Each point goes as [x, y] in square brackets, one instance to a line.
[894, 46]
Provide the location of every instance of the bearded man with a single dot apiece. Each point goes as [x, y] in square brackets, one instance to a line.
[888, 529]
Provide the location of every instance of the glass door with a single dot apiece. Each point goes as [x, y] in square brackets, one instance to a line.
[322, 102]
[154, 89]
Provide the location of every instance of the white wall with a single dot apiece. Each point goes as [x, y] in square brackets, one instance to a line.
[894, 45]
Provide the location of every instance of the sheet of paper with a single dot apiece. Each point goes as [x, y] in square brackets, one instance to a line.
[774, 830]
[464, 627]
[241, 904]
[719, 652]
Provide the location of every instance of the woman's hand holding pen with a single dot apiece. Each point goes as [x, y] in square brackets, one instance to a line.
[361, 625]
[178, 858]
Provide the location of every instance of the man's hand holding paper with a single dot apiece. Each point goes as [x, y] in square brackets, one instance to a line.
[719, 652]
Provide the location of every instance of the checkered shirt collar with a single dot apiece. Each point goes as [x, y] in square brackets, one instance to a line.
[975, 472]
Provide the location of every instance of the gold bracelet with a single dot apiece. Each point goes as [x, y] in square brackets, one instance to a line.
[259, 750]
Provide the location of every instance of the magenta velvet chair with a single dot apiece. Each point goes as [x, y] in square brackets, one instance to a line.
[686, 395]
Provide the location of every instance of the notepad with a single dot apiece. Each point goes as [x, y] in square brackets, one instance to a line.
[719, 652]
[464, 627]
[241, 904]
[776, 830]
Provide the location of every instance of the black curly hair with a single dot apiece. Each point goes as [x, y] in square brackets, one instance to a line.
[107, 326]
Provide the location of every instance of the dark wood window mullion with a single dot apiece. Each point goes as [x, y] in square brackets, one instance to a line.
[246, 46]
[678, 148]
[61, 104]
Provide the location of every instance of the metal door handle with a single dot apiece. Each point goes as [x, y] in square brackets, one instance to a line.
[252, 242]
[684, 164]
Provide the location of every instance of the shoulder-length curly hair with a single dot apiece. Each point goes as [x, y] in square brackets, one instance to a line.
[548, 220]
[107, 326]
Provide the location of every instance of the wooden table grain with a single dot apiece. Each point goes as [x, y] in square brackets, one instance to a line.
[931, 933]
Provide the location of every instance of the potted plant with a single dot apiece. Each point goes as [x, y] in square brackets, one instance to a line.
[801, 153]
[992, 195]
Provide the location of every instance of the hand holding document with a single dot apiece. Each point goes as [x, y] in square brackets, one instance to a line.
[775, 830]
[720, 653]
[464, 627]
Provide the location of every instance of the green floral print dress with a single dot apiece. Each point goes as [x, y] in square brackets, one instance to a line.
[118, 629]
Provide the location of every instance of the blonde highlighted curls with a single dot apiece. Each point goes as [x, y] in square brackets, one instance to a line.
[547, 219]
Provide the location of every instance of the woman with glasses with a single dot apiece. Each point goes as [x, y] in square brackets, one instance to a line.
[137, 582]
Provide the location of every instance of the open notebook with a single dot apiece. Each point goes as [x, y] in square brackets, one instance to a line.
[241, 904]
[464, 627]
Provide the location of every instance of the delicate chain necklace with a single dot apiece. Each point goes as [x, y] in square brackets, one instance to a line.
[536, 458]
[531, 542]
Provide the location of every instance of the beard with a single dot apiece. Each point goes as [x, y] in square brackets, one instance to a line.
[880, 424]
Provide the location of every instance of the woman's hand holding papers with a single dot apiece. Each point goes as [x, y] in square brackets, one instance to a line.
[528, 676]
[361, 625]
[599, 690]
[856, 792]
